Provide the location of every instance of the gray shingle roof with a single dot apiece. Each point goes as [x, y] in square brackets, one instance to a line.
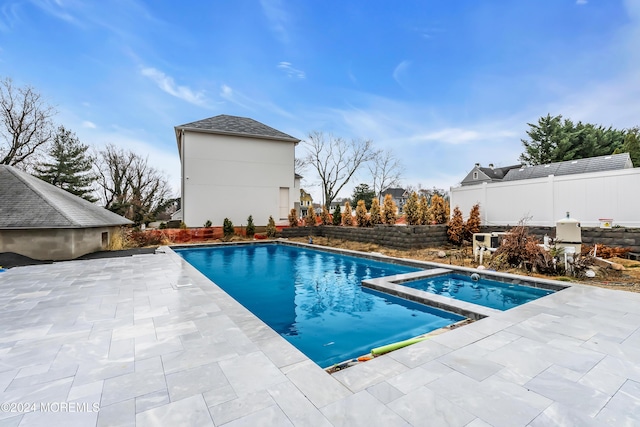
[240, 126]
[28, 202]
[396, 193]
[498, 173]
[591, 164]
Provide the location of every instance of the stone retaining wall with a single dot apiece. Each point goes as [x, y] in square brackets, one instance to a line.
[429, 236]
[396, 237]
[613, 237]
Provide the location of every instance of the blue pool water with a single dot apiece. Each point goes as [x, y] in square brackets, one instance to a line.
[489, 293]
[314, 298]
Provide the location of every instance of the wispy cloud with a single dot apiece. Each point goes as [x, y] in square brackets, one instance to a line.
[460, 136]
[251, 104]
[278, 18]
[581, 2]
[400, 70]
[290, 71]
[56, 8]
[168, 85]
[88, 124]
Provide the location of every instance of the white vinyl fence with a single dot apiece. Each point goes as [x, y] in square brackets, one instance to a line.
[589, 197]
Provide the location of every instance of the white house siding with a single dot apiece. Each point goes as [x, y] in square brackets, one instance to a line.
[588, 197]
[234, 177]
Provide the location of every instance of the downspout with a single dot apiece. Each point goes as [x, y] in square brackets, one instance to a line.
[182, 161]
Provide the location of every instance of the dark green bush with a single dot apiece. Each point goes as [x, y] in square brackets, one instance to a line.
[227, 228]
[251, 228]
[337, 216]
[271, 228]
[207, 224]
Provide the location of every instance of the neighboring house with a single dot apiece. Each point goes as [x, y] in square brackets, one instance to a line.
[399, 196]
[590, 189]
[306, 201]
[44, 222]
[480, 174]
[588, 165]
[233, 167]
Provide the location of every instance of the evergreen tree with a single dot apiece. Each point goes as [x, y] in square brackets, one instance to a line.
[337, 216]
[362, 219]
[424, 211]
[347, 217]
[632, 145]
[544, 139]
[412, 210]
[271, 228]
[389, 215]
[455, 231]
[325, 217]
[251, 228]
[552, 140]
[473, 222]
[227, 228]
[293, 218]
[439, 212]
[310, 220]
[374, 217]
[363, 192]
[70, 166]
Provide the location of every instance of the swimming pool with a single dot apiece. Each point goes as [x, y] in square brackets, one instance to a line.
[314, 299]
[485, 292]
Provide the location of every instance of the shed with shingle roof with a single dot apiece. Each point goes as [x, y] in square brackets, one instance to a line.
[233, 167]
[45, 222]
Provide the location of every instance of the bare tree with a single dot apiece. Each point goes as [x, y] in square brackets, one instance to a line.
[25, 123]
[386, 171]
[130, 186]
[336, 160]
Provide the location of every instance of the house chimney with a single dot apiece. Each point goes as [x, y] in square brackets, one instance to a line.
[491, 165]
[477, 165]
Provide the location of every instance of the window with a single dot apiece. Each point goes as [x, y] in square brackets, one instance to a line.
[475, 175]
[284, 202]
[105, 240]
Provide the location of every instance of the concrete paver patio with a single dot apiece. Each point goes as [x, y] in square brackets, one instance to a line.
[148, 340]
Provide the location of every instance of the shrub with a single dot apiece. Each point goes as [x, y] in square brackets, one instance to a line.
[522, 250]
[251, 228]
[439, 210]
[207, 224]
[271, 228]
[374, 217]
[325, 216]
[293, 218]
[604, 251]
[423, 209]
[227, 228]
[362, 220]
[310, 219]
[147, 238]
[183, 226]
[473, 223]
[455, 231]
[412, 210]
[117, 240]
[337, 216]
[347, 218]
[389, 215]
[162, 226]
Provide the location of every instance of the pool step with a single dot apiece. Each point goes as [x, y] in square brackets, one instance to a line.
[392, 285]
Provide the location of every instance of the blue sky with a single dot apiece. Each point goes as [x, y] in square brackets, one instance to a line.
[444, 84]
